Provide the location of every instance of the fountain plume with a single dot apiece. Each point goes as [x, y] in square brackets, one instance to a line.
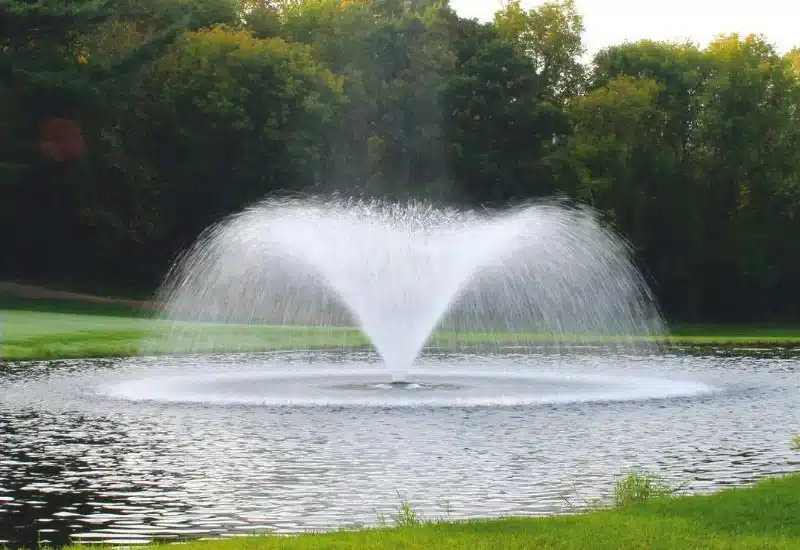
[546, 272]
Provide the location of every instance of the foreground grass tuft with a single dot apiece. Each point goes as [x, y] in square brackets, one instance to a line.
[638, 488]
[765, 516]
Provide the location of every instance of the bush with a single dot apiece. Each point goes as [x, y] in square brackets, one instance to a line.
[637, 488]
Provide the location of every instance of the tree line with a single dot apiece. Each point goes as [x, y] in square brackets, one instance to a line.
[128, 126]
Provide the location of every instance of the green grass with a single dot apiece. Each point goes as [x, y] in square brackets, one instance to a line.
[41, 335]
[637, 488]
[40, 329]
[746, 335]
[766, 516]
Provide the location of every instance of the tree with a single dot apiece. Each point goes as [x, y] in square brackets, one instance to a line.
[792, 58]
[48, 81]
[552, 37]
[499, 126]
[393, 58]
[715, 164]
[45, 71]
[749, 155]
[660, 166]
[246, 112]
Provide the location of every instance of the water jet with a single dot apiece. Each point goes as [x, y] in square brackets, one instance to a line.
[548, 272]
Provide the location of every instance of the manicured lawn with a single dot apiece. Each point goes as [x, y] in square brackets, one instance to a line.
[41, 335]
[736, 334]
[39, 329]
[765, 517]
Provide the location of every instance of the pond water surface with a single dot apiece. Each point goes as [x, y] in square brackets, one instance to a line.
[132, 450]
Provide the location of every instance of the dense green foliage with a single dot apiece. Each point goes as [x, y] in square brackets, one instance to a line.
[694, 154]
[764, 516]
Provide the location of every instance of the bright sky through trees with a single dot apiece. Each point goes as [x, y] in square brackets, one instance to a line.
[613, 21]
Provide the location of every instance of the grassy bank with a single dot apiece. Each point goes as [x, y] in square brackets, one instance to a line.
[64, 334]
[742, 335]
[38, 329]
[764, 516]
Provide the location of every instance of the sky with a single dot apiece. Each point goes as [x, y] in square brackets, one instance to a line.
[609, 22]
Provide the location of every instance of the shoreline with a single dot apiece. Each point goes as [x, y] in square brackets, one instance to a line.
[40, 324]
[100, 352]
[758, 515]
[45, 335]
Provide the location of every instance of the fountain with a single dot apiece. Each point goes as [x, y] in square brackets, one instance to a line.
[300, 438]
[548, 272]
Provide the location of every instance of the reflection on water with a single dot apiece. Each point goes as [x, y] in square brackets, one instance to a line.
[79, 463]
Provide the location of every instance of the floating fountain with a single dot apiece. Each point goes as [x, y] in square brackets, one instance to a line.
[204, 441]
[546, 272]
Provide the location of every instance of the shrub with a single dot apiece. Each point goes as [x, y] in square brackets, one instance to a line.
[637, 488]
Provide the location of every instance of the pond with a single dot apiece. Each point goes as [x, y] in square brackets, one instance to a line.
[141, 449]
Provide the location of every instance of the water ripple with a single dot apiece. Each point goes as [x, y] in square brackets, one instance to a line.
[79, 464]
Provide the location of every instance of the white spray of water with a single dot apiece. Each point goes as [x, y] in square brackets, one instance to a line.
[400, 270]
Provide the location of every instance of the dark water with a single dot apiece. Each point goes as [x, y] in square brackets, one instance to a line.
[133, 450]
